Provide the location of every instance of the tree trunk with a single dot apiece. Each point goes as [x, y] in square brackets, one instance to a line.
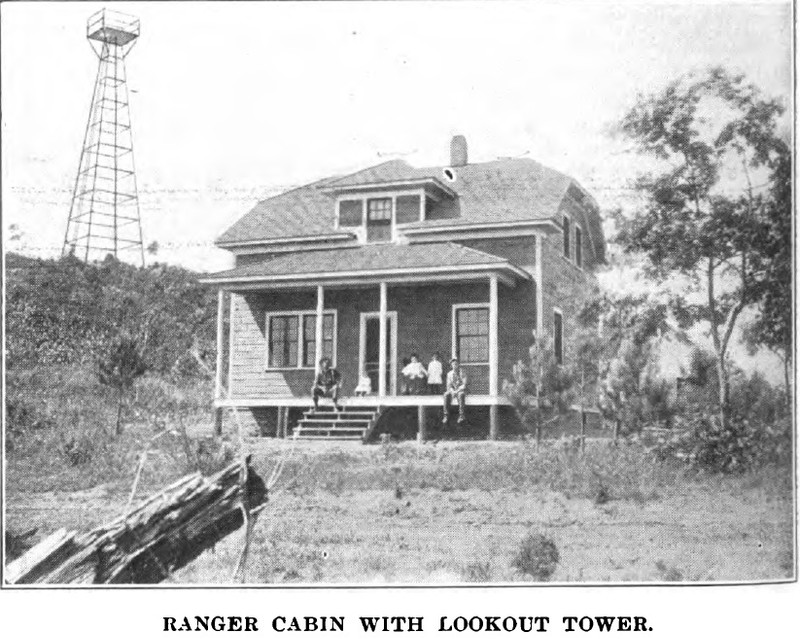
[118, 427]
[147, 544]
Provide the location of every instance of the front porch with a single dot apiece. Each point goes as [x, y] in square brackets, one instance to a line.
[366, 322]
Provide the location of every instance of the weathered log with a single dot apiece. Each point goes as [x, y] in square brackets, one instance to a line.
[162, 534]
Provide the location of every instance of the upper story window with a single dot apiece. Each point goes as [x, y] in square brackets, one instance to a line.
[379, 219]
[566, 234]
[558, 337]
[373, 216]
[408, 209]
[578, 246]
[351, 213]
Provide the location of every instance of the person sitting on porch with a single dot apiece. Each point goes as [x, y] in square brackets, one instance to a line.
[456, 388]
[364, 385]
[435, 372]
[326, 383]
[416, 374]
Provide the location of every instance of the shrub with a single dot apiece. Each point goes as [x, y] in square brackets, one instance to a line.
[741, 446]
[537, 557]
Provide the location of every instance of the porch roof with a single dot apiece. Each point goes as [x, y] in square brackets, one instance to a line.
[372, 262]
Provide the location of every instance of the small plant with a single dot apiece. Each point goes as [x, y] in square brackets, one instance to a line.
[479, 572]
[537, 557]
[668, 573]
[119, 368]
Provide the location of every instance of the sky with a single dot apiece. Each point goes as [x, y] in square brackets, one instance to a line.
[232, 102]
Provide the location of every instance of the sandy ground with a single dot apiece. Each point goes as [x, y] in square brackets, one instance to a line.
[715, 531]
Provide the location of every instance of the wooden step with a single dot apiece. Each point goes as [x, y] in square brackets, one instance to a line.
[324, 429]
[353, 438]
[345, 414]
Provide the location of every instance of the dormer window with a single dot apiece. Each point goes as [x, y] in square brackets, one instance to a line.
[351, 213]
[379, 219]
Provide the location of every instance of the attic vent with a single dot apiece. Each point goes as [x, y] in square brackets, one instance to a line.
[449, 175]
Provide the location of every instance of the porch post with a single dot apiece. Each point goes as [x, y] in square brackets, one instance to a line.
[220, 360]
[539, 293]
[231, 343]
[493, 357]
[318, 325]
[382, 342]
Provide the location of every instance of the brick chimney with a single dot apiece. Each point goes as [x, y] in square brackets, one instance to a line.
[458, 151]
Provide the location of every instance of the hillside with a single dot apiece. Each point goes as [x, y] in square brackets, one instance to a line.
[66, 311]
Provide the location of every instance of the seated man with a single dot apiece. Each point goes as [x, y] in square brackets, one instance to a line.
[456, 387]
[326, 383]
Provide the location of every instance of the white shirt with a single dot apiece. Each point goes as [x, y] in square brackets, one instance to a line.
[435, 372]
[414, 369]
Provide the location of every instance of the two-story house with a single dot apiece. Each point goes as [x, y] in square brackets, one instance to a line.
[469, 260]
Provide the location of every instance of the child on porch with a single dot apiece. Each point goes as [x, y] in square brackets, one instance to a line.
[415, 373]
[435, 372]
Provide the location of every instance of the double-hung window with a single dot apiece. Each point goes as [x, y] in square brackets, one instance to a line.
[472, 335]
[379, 219]
[292, 339]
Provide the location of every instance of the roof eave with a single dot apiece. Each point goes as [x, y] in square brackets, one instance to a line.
[325, 237]
[508, 272]
[382, 184]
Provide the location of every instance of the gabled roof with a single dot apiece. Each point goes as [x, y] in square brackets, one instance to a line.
[507, 190]
[417, 259]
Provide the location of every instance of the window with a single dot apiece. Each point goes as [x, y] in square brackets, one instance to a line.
[351, 213]
[558, 337]
[565, 233]
[578, 246]
[408, 208]
[283, 341]
[292, 339]
[310, 339]
[472, 335]
[379, 220]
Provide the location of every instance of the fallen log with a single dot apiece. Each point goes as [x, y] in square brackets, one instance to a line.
[144, 546]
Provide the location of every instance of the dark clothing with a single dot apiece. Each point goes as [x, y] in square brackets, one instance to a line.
[435, 389]
[326, 384]
[327, 378]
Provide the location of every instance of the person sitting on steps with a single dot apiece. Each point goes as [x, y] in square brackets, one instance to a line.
[326, 384]
[456, 387]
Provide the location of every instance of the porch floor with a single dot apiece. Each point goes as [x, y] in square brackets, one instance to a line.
[367, 401]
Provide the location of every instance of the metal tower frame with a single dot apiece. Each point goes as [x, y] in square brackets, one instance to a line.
[104, 215]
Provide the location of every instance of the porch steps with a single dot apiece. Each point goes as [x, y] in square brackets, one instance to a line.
[326, 424]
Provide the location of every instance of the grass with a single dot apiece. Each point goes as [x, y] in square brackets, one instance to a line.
[401, 512]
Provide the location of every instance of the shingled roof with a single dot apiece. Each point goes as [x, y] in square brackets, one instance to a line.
[367, 258]
[507, 190]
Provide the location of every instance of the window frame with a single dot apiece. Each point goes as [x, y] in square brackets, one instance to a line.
[300, 315]
[559, 356]
[578, 246]
[454, 350]
[397, 227]
[566, 248]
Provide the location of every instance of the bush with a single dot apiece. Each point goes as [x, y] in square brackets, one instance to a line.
[537, 557]
[743, 445]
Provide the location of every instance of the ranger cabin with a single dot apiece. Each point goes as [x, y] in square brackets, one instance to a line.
[471, 260]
